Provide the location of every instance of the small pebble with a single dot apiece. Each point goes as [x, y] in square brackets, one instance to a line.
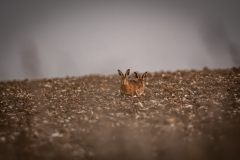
[153, 101]
[57, 135]
[189, 106]
[190, 126]
[3, 139]
[140, 104]
[86, 118]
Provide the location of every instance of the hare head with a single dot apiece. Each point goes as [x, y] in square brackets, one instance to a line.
[124, 78]
[141, 79]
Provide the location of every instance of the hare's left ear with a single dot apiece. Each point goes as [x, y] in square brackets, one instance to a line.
[127, 73]
[144, 75]
[136, 75]
[120, 73]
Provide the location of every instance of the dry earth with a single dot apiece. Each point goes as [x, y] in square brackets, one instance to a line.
[181, 115]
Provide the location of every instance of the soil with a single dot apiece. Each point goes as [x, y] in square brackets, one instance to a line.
[181, 115]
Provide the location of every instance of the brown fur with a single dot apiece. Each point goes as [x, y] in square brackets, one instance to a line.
[141, 83]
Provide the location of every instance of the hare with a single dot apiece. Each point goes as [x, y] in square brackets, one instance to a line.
[141, 83]
[128, 86]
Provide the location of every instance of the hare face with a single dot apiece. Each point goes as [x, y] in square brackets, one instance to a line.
[141, 79]
[124, 81]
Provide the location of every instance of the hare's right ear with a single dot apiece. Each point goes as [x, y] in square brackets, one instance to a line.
[127, 73]
[120, 73]
[136, 75]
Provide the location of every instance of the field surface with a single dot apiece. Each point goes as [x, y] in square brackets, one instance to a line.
[181, 115]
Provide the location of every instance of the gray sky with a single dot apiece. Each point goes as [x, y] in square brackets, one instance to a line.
[42, 39]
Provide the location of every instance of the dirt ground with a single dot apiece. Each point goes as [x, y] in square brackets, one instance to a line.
[181, 115]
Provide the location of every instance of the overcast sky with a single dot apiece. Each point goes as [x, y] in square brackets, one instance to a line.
[44, 39]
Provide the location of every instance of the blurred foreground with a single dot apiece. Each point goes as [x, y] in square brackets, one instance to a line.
[182, 115]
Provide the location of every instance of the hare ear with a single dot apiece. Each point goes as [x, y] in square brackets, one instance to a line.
[120, 73]
[136, 75]
[144, 75]
[127, 73]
